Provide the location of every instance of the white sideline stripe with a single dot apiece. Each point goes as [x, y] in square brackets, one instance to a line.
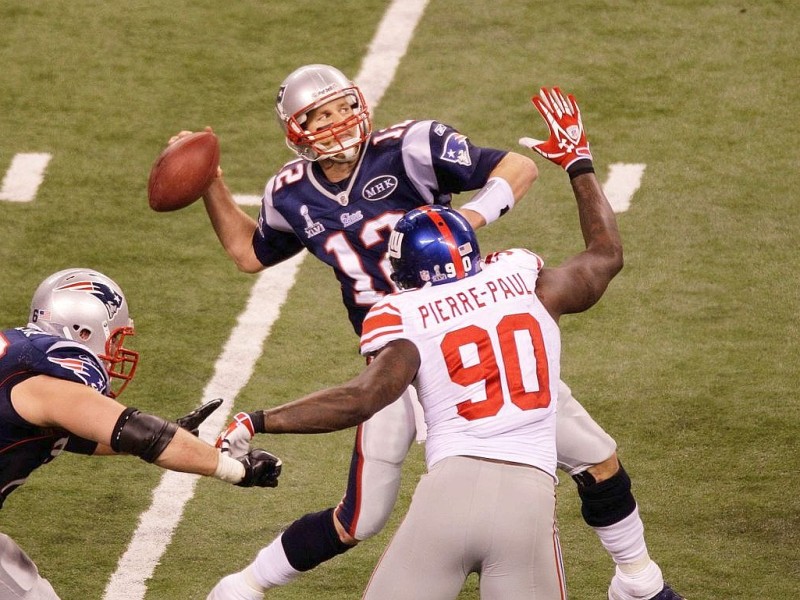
[622, 183]
[235, 366]
[24, 176]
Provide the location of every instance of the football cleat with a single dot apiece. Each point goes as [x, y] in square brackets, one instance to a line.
[667, 593]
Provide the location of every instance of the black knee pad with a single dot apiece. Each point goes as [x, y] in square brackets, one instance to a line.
[311, 540]
[607, 502]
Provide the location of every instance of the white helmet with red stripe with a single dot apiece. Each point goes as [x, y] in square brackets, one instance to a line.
[86, 306]
[433, 245]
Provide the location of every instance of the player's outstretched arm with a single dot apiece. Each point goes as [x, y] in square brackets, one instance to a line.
[233, 226]
[378, 385]
[581, 280]
[50, 402]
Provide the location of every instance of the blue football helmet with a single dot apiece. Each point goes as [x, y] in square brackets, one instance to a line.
[432, 245]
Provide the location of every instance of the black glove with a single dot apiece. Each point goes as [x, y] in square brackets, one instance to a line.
[261, 469]
[192, 421]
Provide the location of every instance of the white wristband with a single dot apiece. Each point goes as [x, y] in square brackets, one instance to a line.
[229, 469]
[493, 200]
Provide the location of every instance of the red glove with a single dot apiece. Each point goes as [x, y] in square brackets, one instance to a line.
[567, 142]
[235, 440]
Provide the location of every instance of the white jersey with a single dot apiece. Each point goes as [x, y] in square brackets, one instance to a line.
[489, 361]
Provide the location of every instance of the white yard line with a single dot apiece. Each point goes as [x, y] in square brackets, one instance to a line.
[235, 365]
[622, 183]
[24, 176]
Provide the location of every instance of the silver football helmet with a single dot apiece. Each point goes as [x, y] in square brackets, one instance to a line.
[88, 307]
[305, 90]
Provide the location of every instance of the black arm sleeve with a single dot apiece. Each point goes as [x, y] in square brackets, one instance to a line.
[142, 435]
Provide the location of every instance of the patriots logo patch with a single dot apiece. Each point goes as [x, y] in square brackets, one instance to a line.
[110, 299]
[84, 368]
[456, 150]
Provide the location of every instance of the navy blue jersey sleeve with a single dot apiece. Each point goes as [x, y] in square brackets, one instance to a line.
[272, 246]
[459, 164]
[274, 239]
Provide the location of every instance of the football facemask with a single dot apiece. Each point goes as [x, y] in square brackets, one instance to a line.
[120, 361]
[309, 88]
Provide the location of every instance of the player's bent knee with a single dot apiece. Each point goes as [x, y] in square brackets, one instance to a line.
[605, 502]
[344, 535]
[605, 470]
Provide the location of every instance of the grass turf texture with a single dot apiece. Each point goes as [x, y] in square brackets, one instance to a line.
[690, 361]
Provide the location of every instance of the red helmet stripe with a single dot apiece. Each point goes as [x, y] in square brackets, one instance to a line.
[444, 229]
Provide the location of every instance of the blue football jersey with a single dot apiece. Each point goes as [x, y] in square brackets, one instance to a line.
[347, 224]
[24, 353]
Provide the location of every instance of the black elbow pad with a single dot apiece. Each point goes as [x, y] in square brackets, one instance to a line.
[141, 434]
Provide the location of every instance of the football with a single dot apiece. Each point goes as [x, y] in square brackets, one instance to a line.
[183, 171]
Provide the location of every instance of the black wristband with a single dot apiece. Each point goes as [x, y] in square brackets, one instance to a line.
[580, 167]
[257, 419]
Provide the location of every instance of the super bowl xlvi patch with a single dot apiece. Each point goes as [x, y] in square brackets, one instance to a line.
[312, 228]
[456, 150]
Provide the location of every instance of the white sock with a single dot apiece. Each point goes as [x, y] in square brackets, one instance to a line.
[271, 568]
[636, 576]
[624, 540]
[235, 587]
[644, 583]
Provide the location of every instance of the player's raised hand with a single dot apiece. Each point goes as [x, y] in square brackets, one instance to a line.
[192, 421]
[567, 143]
[261, 469]
[235, 439]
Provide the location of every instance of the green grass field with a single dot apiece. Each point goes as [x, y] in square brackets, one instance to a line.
[690, 361]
